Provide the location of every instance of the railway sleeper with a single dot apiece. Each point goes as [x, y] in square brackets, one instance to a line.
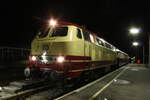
[17, 86]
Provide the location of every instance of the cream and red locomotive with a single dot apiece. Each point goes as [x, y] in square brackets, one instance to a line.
[68, 50]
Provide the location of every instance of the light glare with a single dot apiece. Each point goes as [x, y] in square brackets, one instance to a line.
[134, 30]
[33, 58]
[52, 22]
[135, 43]
[1, 88]
[44, 58]
[60, 59]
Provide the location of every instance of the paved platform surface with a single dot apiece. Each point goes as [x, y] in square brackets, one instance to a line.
[130, 82]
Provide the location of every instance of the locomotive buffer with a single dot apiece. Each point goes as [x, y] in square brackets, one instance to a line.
[130, 82]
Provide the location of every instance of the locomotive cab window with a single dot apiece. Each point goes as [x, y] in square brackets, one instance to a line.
[86, 36]
[79, 35]
[53, 32]
[43, 32]
[59, 31]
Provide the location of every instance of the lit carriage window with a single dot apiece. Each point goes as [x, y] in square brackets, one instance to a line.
[79, 35]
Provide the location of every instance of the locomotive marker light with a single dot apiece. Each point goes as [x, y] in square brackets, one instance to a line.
[60, 59]
[52, 22]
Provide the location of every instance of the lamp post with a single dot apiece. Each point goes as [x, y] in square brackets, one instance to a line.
[149, 51]
[135, 31]
[135, 44]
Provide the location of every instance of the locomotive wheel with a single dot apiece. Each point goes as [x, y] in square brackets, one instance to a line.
[46, 75]
[31, 73]
[68, 84]
[84, 78]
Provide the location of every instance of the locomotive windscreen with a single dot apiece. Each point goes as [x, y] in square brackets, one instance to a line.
[53, 32]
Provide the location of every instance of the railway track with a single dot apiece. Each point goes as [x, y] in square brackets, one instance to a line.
[37, 89]
[27, 89]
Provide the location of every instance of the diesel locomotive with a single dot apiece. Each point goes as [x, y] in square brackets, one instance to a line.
[62, 49]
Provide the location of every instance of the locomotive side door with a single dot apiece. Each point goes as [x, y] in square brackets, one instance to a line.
[86, 43]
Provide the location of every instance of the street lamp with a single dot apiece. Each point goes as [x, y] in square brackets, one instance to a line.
[53, 22]
[149, 51]
[135, 44]
[134, 31]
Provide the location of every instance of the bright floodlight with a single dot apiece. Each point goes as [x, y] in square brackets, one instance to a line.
[135, 43]
[134, 30]
[52, 22]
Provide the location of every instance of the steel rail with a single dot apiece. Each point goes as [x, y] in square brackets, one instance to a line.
[23, 94]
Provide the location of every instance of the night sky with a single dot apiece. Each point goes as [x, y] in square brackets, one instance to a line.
[109, 19]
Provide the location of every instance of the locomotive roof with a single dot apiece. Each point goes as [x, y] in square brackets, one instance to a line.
[82, 27]
[69, 23]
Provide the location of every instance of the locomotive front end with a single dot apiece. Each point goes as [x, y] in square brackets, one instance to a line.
[48, 50]
[57, 52]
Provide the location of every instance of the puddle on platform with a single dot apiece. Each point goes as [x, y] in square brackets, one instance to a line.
[134, 69]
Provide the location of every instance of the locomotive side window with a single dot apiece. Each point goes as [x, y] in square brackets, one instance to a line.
[79, 35]
[59, 31]
[86, 36]
[99, 42]
[113, 48]
[108, 45]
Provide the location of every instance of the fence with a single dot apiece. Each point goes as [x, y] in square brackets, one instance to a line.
[13, 54]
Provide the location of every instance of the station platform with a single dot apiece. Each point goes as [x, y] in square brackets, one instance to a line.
[130, 82]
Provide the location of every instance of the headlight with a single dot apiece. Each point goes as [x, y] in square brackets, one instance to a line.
[44, 59]
[60, 59]
[33, 58]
